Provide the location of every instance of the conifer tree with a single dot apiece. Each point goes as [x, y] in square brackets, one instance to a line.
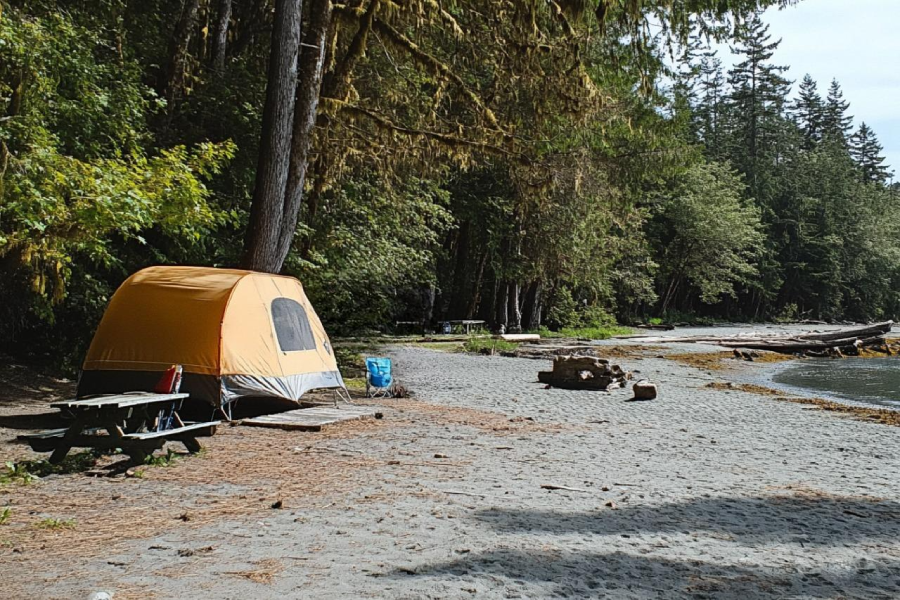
[836, 123]
[866, 153]
[758, 97]
[685, 100]
[808, 112]
[709, 112]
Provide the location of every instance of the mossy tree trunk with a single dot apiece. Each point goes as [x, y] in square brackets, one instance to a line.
[262, 245]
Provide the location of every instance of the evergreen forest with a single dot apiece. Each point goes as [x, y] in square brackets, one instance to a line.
[534, 164]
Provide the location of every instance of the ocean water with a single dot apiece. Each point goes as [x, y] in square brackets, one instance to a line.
[870, 380]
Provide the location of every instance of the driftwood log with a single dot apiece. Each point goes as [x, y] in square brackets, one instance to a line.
[655, 327]
[845, 340]
[583, 373]
[545, 351]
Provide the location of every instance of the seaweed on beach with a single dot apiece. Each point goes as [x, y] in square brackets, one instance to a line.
[863, 413]
[882, 416]
[719, 361]
[750, 388]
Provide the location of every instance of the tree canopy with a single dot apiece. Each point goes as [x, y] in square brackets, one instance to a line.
[522, 162]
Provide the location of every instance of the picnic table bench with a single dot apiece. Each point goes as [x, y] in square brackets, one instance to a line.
[138, 423]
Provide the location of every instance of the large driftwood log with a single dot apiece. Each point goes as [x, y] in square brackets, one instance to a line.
[583, 373]
[870, 335]
[801, 345]
[545, 351]
[877, 330]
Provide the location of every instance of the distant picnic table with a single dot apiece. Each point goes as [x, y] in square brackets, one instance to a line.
[138, 423]
[466, 324]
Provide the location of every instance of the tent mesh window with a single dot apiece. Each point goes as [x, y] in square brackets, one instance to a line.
[292, 326]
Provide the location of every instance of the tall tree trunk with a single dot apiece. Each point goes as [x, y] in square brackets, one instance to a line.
[249, 23]
[336, 85]
[532, 306]
[17, 88]
[261, 251]
[458, 301]
[501, 301]
[515, 309]
[312, 66]
[670, 294]
[475, 298]
[220, 35]
[178, 50]
[428, 308]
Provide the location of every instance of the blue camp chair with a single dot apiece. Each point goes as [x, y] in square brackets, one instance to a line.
[379, 381]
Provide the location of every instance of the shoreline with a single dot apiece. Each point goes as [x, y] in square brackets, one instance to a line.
[761, 372]
[770, 371]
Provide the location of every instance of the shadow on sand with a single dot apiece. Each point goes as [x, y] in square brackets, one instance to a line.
[664, 567]
[808, 519]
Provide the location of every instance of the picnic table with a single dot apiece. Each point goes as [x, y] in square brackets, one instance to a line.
[138, 423]
[466, 324]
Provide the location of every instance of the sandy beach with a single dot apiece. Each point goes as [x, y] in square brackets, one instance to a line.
[705, 492]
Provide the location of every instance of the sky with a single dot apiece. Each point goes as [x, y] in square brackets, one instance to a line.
[856, 42]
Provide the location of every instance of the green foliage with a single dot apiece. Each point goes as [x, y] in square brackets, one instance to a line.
[162, 460]
[17, 472]
[77, 181]
[483, 345]
[371, 241]
[866, 152]
[442, 346]
[596, 317]
[350, 358]
[711, 235]
[563, 310]
[827, 253]
[5, 514]
[585, 333]
[55, 523]
[675, 316]
[480, 153]
[789, 314]
[29, 471]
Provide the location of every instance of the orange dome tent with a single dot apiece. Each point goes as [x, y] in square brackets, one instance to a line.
[236, 333]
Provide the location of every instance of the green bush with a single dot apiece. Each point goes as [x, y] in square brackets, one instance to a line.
[489, 346]
[596, 316]
[563, 310]
[788, 314]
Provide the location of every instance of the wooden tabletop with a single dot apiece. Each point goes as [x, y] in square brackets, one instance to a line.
[119, 400]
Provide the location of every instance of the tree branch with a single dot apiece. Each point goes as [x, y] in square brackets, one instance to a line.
[436, 66]
[335, 105]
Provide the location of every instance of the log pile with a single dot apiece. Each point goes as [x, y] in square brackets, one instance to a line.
[584, 373]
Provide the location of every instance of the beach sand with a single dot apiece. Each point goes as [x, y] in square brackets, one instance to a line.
[702, 493]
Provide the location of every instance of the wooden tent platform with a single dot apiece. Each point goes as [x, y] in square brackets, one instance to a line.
[313, 419]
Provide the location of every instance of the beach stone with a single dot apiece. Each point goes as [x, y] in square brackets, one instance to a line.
[644, 390]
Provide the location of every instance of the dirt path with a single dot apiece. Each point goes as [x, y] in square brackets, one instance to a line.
[704, 492]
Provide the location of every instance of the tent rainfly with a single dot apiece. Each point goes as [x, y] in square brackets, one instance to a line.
[236, 334]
